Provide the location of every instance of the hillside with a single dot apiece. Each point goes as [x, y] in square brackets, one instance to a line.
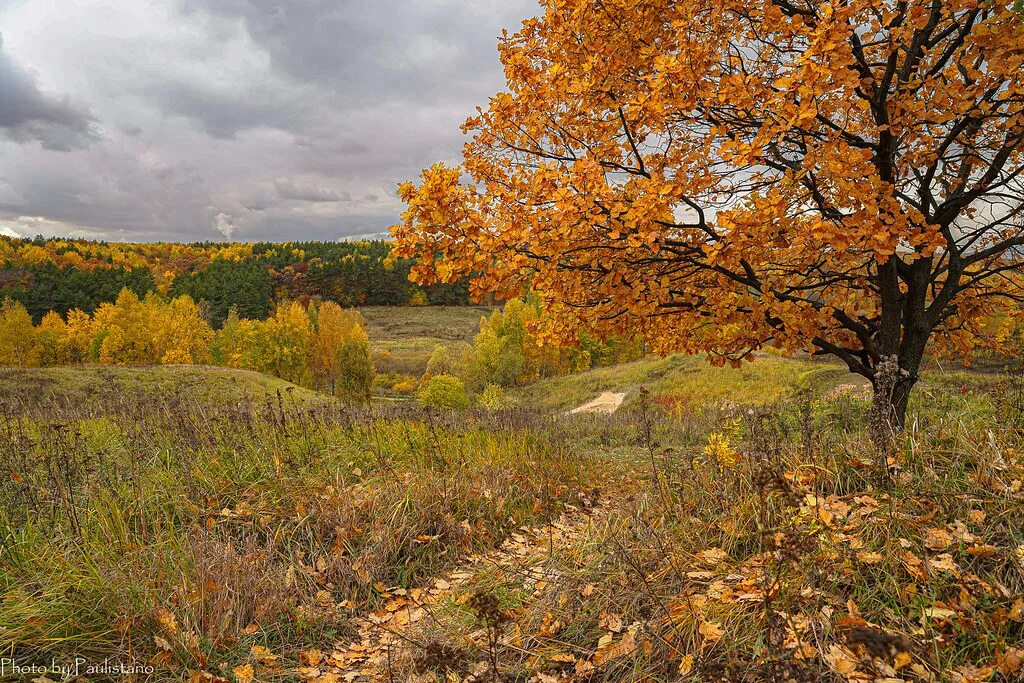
[681, 382]
[99, 387]
[402, 339]
[195, 532]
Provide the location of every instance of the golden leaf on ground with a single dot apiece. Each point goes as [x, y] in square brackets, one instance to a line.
[608, 650]
[973, 674]
[711, 631]
[243, 674]
[937, 614]
[712, 556]
[869, 557]
[166, 620]
[937, 538]
[610, 622]
[841, 662]
[986, 550]
[944, 563]
[1010, 661]
[850, 622]
[262, 654]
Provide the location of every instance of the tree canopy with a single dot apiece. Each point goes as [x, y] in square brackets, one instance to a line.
[842, 177]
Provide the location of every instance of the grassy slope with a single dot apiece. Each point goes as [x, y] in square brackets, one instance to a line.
[409, 328]
[94, 385]
[402, 339]
[183, 533]
[692, 381]
[392, 499]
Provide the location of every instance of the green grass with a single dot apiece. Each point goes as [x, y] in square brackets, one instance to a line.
[99, 386]
[419, 326]
[813, 547]
[687, 379]
[184, 515]
[187, 532]
[403, 338]
[690, 382]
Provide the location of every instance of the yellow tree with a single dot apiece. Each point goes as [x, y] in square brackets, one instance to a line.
[52, 336]
[340, 353]
[183, 336]
[840, 176]
[18, 344]
[286, 341]
[124, 331]
[79, 332]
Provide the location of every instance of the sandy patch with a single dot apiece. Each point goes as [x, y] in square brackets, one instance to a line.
[607, 402]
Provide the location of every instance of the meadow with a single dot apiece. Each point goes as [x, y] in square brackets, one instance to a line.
[214, 524]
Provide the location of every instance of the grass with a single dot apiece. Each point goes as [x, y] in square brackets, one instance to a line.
[99, 387]
[440, 324]
[746, 531]
[690, 383]
[183, 533]
[402, 339]
[781, 552]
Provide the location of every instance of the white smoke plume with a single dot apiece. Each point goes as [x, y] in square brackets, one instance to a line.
[225, 225]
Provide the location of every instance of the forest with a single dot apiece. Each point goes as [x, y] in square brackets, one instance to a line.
[61, 274]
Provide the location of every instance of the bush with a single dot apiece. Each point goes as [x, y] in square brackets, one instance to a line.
[493, 397]
[418, 298]
[444, 391]
[405, 386]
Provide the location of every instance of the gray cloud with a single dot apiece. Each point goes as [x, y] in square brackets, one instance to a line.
[256, 118]
[288, 189]
[26, 114]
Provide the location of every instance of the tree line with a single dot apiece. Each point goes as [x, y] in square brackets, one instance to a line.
[320, 346]
[61, 275]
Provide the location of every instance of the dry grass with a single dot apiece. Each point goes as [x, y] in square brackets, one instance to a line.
[735, 542]
[183, 534]
[780, 554]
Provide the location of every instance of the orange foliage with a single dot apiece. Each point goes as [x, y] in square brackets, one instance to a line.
[718, 175]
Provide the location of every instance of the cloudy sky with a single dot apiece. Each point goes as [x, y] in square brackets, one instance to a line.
[260, 119]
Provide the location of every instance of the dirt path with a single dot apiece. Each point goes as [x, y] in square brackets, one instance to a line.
[607, 402]
[376, 653]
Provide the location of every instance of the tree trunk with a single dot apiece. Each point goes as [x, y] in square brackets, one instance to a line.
[892, 386]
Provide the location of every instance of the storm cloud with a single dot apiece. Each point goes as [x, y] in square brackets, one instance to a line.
[26, 114]
[250, 119]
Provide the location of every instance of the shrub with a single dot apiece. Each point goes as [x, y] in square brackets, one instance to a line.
[418, 298]
[444, 391]
[493, 397]
[405, 386]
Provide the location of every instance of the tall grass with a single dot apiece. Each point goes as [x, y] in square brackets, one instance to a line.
[762, 543]
[182, 533]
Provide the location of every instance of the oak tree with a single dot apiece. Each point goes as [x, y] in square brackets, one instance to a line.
[837, 176]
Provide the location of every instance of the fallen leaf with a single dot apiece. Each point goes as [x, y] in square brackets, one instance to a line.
[869, 557]
[937, 539]
[263, 654]
[243, 674]
[711, 631]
